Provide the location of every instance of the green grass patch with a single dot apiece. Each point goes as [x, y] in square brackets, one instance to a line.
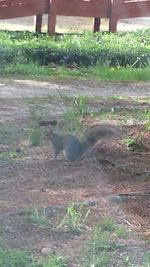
[96, 73]
[36, 217]
[107, 49]
[74, 218]
[104, 247]
[15, 258]
[54, 260]
[99, 250]
[102, 56]
[21, 258]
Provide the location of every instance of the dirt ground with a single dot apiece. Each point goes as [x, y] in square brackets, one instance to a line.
[112, 182]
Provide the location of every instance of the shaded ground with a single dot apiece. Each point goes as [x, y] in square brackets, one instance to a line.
[113, 181]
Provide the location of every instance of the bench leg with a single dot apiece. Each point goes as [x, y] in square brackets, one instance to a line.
[38, 23]
[113, 24]
[114, 13]
[51, 20]
[97, 22]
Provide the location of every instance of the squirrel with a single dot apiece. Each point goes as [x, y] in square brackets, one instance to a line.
[74, 148]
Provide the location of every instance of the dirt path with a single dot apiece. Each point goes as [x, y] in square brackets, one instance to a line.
[28, 88]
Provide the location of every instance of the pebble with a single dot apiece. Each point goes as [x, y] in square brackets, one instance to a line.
[47, 250]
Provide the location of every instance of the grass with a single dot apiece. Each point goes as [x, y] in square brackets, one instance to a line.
[74, 50]
[7, 157]
[99, 56]
[34, 136]
[15, 258]
[120, 232]
[36, 217]
[9, 133]
[130, 143]
[34, 71]
[54, 261]
[97, 252]
[106, 224]
[21, 258]
[74, 218]
[102, 249]
[70, 121]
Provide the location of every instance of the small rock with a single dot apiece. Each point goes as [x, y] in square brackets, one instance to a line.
[90, 202]
[47, 250]
[53, 210]
[18, 150]
[45, 190]
[117, 199]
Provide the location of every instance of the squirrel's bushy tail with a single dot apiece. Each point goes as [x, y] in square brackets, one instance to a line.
[101, 131]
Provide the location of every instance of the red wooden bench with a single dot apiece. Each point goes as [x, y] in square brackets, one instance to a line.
[111, 9]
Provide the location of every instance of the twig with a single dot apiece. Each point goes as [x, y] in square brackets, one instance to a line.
[107, 160]
[134, 194]
[128, 222]
[61, 96]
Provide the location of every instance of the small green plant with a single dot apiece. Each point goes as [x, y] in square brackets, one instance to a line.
[36, 111]
[54, 260]
[71, 121]
[7, 157]
[101, 248]
[99, 239]
[106, 224]
[74, 218]
[96, 253]
[148, 126]
[37, 218]
[146, 114]
[129, 143]
[120, 232]
[34, 136]
[80, 106]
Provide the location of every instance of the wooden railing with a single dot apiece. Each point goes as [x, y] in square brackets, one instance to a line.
[111, 9]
